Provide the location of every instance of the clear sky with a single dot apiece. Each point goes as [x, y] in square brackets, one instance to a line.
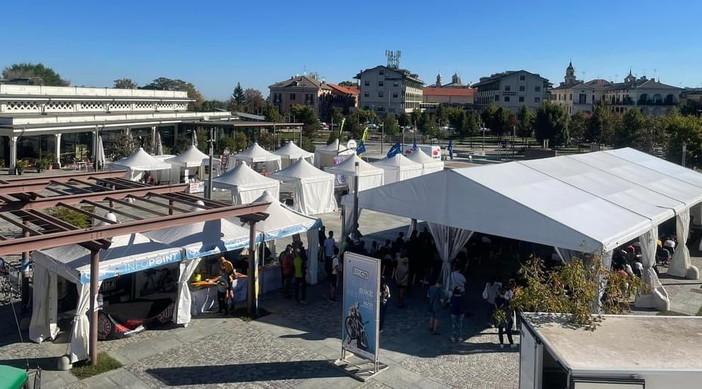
[215, 44]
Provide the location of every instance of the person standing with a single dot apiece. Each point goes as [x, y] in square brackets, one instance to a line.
[457, 314]
[504, 320]
[222, 290]
[299, 271]
[336, 269]
[384, 298]
[402, 279]
[490, 294]
[437, 298]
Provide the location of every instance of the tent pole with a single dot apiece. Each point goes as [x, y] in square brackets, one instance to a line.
[252, 273]
[94, 275]
[354, 228]
[209, 176]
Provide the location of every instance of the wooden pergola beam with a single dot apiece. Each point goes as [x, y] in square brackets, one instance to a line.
[24, 185]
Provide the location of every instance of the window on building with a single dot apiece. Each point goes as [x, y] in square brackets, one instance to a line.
[381, 83]
[582, 99]
[537, 99]
[506, 98]
[570, 97]
[522, 88]
[366, 94]
[522, 77]
[508, 88]
[497, 97]
[381, 72]
[395, 83]
[537, 88]
[366, 83]
[395, 95]
[521, 99]
[381, 94]
[292, 96]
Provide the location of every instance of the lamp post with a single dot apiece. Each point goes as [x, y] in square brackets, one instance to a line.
[209, 176]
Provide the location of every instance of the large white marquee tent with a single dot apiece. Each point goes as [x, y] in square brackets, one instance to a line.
[324, 156]
[138, 163]
[256, 153]
[369, 176]
[398, 168]
[313, 189]
[246, 184]
[291, 153]
[589, 203]
[429, 164]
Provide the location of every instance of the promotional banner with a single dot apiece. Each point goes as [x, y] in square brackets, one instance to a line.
[360, 315]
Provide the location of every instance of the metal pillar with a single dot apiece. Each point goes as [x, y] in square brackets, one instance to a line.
[252, 280]
[13, 153]
[354, 228]
[58, 149]
[209, 176]
[94, 275]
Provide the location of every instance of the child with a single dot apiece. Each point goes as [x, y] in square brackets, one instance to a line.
[457, 315]
[437, 298]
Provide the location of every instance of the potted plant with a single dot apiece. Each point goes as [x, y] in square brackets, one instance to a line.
[21, 166]
[41, 165]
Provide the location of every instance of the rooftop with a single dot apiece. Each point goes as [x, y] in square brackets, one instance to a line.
[448, 92]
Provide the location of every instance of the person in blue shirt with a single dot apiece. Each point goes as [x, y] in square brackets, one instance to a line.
[457, 314]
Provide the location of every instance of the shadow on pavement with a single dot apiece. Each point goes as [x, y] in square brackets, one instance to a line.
[245, 372]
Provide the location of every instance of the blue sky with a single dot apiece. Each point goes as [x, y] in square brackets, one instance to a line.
[215, 44]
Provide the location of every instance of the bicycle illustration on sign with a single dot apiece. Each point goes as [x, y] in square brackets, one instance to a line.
[355, 328]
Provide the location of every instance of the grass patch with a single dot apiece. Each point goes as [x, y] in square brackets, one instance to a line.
[105, 364]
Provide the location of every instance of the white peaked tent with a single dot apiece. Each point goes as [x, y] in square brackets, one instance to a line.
[398, 168]
[324, 156]
[189, 160]
[313, 189]
[588, 203]
[138, 163]
[256, 153]
[283, 222]
[291, 153]
[369, 175]
[429, 164]
[246, 184]
[127, 254]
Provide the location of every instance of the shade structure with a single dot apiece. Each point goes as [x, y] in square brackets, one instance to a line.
[256, 153]
[429, 164]
[369, 175]
[189, 160]
[139, 162]
[127, 254]
[246, 184]
[398, 168]
[313, 189]
[291, 153]
[324, 156]
[205, 238]
[283, 221]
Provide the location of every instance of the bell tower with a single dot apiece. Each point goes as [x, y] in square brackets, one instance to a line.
[569, 78]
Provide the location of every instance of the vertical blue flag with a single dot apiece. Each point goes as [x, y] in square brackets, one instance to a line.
[396, 148]
[450, 148]
[361, 148]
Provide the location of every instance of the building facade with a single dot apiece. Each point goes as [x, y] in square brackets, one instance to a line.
[47, 119]
[387, 89]
[511, 90]
[450, 96]
[342, 97]
[649, 96]
[299, 90]
[576, 95]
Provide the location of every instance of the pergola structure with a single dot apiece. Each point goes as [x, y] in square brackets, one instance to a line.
[24, 204]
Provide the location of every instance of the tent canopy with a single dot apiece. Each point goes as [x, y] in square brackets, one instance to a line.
[429, 164]
[313, 189]
[283, 221]
[398, 168]
[589, 203]
[204, 238]
[127, 254]
[369, 175]
[246, 184]
[324, 156]
[190, 158]
[292, 152]
[256, 153]
[140, 161]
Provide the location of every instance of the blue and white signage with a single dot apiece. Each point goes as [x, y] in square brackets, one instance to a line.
[361, 304]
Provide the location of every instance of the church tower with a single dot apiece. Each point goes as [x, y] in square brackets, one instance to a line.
[569, 78]
[438, 80]
[456, 79]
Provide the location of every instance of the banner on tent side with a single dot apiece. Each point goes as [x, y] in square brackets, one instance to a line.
[108, 270]
[361, 306]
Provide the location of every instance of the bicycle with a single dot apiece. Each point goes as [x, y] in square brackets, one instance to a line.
[355, 328]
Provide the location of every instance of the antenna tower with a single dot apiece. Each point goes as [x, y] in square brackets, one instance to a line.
[393, 57]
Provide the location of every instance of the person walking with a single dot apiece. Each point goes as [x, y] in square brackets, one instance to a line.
[437, 298]
[504, 319]
[222, 290]
[457, 314]
[384, 298]
[402, 279]
[299, 271]
[286, 268]
[490, 294]
[333, 274]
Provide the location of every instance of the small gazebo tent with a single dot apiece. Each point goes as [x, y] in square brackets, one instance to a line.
[256, 153]
[429, 164]
[324, 156]
[398, 168]
[291, 153]
[138, 163]
[188, 161]
[246, 184]
[313, 189]
[369, 175]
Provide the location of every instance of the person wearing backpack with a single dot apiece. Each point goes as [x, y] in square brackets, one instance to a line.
[286, 268]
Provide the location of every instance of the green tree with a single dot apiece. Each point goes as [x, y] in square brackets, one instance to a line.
[336, 117]
[487, 116]
[632, 131]
[390, 125]
[455, 117]
[125, 83]
[441, 115]
[366, 116]
[214, 105]
[690, 107]
[238, 99]
[121, 145]
[470, 124]
[163, 83]
[602, 125]
[551, 122]
[254, 101]
[306, 114]
[271, 113]
[237, 142]
[578, 126]
[404, 120]
[353, 125]
[684, 130]
[347, 84]
[525, 122]
[37, 73]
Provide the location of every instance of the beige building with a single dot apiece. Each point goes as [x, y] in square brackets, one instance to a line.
[389, 89]
[451, 96]
[511, 90]
[651, 97]
[576, 95]
[299, 90]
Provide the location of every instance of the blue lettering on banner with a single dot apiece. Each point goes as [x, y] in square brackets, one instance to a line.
[136, 265]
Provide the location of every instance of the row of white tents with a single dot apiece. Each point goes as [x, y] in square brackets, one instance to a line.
[312, 188]
[184, 245]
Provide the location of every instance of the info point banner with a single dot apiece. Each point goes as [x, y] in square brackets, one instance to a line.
[360, 315]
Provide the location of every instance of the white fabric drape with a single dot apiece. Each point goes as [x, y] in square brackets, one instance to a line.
[183, 297]
[348, 226]
[658, 297]
[680, 265]
[312, 252]
[43, 325]
[80, 333]
[449, 241]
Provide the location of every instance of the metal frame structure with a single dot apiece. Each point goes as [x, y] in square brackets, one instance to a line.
[25, 205]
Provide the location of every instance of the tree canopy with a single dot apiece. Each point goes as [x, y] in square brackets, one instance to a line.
[125, 83]
[163, 83]
[551, 122]
[37, 73]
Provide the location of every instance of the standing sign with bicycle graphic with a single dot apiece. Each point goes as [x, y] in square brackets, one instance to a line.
[360, 315]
